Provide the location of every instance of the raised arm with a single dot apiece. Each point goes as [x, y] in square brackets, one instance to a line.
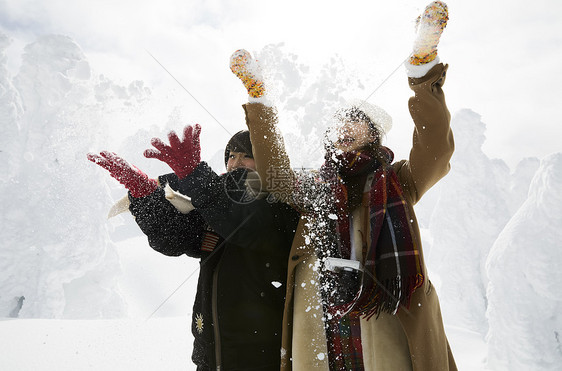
[223, 201]
[272, 162]
[169, 231]
[433, 144]
[226, 204]
[271, 159]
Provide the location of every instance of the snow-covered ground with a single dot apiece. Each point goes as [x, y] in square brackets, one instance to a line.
[126, 344]
[79, 291]
[162, 341]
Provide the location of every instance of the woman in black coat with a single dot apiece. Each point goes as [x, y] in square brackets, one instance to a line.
[242, 240]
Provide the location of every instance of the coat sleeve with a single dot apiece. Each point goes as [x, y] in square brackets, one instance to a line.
[220, 201]
[300, 190]
[272, 162]
[169, 231]
[433, 143]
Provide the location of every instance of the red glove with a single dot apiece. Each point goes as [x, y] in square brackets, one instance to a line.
[129, 175]
[182, 157]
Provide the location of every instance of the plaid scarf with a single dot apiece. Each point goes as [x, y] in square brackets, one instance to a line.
[392, 268]
[345, 351]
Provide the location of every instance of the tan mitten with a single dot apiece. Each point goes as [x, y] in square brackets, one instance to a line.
[430, 26]
[247, 69]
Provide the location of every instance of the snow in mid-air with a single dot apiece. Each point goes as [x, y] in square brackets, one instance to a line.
[491, 235]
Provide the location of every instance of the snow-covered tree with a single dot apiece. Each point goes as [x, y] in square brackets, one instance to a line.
[56, 259]
[521, 180]
[11, 112]
[525, 306]
[470, 212]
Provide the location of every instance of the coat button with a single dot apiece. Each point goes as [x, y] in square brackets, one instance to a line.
[295, 257]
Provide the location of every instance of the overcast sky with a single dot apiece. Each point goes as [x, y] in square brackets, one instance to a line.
[504, 56]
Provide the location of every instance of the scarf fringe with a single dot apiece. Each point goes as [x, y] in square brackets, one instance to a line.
[384, 296]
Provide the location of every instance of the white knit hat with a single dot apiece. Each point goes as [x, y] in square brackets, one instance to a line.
[379, 117]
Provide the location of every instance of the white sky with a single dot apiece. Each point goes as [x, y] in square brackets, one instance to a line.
[503, 56]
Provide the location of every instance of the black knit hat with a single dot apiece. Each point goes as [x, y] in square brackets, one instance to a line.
[240, 142]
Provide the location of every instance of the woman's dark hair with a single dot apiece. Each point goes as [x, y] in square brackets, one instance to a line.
[240, 142]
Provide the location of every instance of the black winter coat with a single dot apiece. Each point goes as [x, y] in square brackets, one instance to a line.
[243, 245]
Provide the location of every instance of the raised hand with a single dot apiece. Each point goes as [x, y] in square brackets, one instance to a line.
[247, 69]
[137, 182]
[181, 156]
[430, 26]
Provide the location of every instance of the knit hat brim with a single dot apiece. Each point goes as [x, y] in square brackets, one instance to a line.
[379, 117]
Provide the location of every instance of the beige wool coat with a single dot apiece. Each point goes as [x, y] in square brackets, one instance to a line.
[420, 327]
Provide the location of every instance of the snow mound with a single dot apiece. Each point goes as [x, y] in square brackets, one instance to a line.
[525, 307]
[470, 212]
[57, 258]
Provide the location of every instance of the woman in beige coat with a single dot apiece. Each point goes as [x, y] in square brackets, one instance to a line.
[398, 320]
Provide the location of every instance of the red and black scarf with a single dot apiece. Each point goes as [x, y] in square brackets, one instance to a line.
[392, 267]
